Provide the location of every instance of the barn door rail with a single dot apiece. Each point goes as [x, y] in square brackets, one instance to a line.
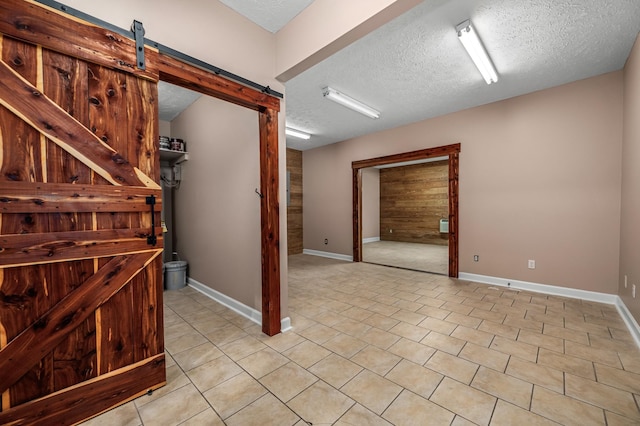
[161, 48]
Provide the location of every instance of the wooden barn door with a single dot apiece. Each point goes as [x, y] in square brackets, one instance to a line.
[80, 270]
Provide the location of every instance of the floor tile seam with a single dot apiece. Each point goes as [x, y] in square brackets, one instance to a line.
[566, 396]
[457, 414]
[150, 402]
[299, 393]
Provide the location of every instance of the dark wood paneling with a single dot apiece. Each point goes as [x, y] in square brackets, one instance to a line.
[413, 199]
[294, 209]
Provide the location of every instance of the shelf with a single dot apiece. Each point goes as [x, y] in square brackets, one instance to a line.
[173, 157]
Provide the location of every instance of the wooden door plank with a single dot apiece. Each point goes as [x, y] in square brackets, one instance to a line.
[32, 344]
[23, 299]
[23, 159]
[146, 300]
[36, 197]
[74, 358]
[41, 113]
[42, 248]
[64, 81]
[42, 25]
[76, 403]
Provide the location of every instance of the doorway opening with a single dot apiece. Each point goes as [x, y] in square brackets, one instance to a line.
[405, 215]
[186, 75]
[451, 153]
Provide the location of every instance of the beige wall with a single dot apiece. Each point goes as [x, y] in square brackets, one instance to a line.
[217, 212]
[164, 128]
[539, 179]
[630, 221]
[370, 203]
[214, 33]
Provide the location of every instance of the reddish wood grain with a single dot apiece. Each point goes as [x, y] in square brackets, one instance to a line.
[41, 25]
[270, 220]
[79, 402]
[37, 197]
[177, 72]
[49, 200]
[41, 113]
[22, 352]
[36, 248]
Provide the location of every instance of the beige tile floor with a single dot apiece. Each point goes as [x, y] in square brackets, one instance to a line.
[372, 345]
[419, 257]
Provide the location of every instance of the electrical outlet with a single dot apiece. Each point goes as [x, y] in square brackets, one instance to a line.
[633, 291]
[476, 258]
[532, 264]
[326, 241]
[391, 231]
[625, 281]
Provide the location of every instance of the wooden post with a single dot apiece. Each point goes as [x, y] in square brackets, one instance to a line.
[270, 221]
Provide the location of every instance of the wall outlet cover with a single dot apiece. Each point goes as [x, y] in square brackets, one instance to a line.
[532, 264]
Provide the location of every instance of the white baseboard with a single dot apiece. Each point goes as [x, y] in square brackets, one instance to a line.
[238, 307]
[611, 299]
[541, 288]
[629, 320]
[329, 255]
[370, 240]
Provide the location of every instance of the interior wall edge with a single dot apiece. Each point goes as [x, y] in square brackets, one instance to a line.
[238, 307]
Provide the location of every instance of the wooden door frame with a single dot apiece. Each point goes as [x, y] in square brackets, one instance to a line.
[185, 75]
[453, 152]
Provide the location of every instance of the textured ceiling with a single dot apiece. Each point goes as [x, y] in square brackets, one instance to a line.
[172, 100]
[269, 14]
[415, 68]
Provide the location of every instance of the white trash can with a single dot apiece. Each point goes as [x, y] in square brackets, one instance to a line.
[175, 274]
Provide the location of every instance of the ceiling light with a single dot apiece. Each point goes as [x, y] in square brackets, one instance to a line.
[349, 102]
[297, 133]
[470, 40]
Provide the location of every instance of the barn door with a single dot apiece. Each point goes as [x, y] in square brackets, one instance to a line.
[80, 242]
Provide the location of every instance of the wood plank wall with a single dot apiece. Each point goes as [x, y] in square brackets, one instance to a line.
[413, 199]
[294, 209]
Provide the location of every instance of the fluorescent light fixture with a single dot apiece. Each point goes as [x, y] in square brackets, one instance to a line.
[470, 40]
[297, 133]
[349, 102]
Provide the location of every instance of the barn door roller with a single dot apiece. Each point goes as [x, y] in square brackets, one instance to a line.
[138, 36]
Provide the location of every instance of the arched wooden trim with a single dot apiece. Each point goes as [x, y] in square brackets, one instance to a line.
[452, 151]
